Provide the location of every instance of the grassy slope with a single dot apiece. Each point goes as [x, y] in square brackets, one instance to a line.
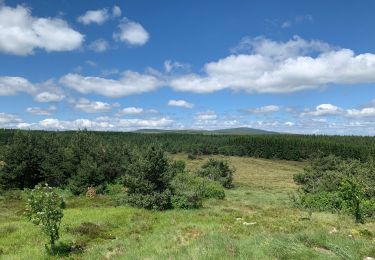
[261, 196]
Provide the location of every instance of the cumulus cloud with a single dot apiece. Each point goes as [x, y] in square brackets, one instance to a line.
[206, 116]
[13, 85]
[88, 106]
[99, 45]
[180, 103]
[94, 16]
[41, 111]
[46, 96]
[130, 83]
[116, 11]
[131, 33]
[324, 110]
[131, 111]
[361, 113]
[42, 92]
[296, 46]
[21, 33]
[102, 123]
[264, 109]
[274, 67]
[9, 120]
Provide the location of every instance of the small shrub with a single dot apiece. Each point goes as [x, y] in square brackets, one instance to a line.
[218, 170]
[189, 190]
[88, 229]
[114, 189]
[352, 194]
[148, 179]
[152, 200]
[213, 189]
[45, 209]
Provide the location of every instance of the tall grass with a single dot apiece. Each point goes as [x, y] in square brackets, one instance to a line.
[98, 229]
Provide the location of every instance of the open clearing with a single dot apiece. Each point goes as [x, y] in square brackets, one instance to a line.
[255, 221]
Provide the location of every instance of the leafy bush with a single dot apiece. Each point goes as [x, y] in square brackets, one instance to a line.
[189, 190]
[213, 189]
[114, 189]
[45, 209]
[334, 184]
[218, 170]
[352, 194]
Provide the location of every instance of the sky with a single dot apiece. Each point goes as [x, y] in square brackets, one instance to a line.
[290, 66]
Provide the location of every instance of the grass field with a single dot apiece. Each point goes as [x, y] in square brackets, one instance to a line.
[255, 221]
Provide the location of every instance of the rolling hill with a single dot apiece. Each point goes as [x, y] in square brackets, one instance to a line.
[228, 131]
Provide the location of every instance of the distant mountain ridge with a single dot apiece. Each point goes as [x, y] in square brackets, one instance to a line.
[228, 131]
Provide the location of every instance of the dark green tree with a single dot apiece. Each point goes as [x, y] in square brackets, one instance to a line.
[218, 170]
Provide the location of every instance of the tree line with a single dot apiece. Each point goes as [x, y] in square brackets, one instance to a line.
[81, 158]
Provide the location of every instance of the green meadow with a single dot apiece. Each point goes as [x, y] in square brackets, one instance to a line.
[256, 220]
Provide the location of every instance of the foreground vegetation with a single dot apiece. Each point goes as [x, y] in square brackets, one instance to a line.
[256, 220]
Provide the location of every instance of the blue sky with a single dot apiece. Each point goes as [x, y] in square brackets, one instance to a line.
[289, 66]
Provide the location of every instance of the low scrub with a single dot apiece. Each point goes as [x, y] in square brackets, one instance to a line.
[190, 190]
[333, 184]
[155, 182]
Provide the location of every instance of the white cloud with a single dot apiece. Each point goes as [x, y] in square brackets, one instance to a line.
[286, 24]
[172, 66]
[116, 11]
[180, 103]
[91, 63]
[21, 33]
[289, 123]
[274, 67]
[46, 96]
[42, 92]
[206, 116]
[324, 110]
[361, 113]
[94, 16]
[13, 85]
[281, 50]
[130, 83]
[99, 45]
[132, 33]
[41, 111]
[109, 72]
[103, 123]
[297, 20]
[131, 111]
[264, 109]
[88, 106]
[9, 120]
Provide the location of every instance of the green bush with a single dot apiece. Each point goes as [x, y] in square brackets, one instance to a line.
[189, 190]
[333, 184]
[114, 189]
[45, 209]
[218, 170]
[213, 189]
[148, 179]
